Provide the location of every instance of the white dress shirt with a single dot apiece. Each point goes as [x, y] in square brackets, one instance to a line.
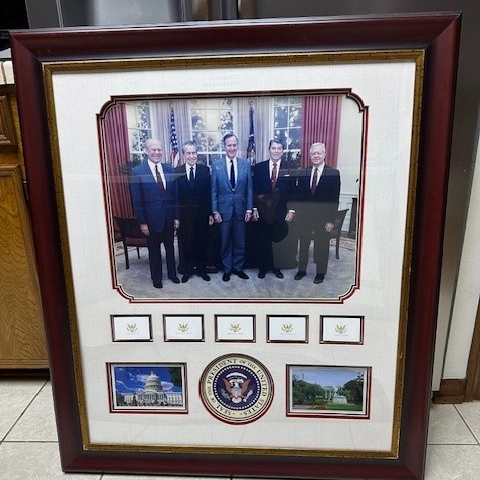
[160, 170]
[319, 173]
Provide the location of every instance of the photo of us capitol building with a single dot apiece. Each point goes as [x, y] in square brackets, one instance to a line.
[152, 395]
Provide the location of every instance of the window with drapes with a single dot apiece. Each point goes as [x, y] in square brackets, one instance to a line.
[211, 119]
[139, 129]
[287, 126]
[298, 121]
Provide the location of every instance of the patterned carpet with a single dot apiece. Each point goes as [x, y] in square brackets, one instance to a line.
[135, 282]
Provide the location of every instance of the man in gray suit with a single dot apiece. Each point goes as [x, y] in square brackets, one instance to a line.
[232, 205]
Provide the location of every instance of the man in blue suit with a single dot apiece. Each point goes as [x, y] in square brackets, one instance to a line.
[232, 205]
[154, 197]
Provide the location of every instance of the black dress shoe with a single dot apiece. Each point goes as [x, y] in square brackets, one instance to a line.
[226, 277]
[277, 273]
[174, 279]
[319, 278]
[157, 284]
[185, 278]
[205, 277]
[261, 274]
[241, 274]
[300, 274]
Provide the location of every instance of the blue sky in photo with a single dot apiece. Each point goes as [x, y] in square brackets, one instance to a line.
[326, 377]
[132, 379]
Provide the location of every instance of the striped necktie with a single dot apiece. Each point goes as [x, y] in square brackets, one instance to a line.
[314, 181]
[273, 178]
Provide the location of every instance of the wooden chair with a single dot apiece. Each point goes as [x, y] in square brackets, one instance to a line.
[337, 229]
[131, 236]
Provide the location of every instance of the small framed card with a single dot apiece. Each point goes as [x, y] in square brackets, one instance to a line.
[341, 329]
[183, 328]
[235, 328]
[287, 328]
[131, 328]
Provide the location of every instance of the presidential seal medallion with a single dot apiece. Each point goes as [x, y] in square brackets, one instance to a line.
[236, 388]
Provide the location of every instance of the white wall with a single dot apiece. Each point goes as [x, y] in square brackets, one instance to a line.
[126, 12]
[349, 152]
[467, 292]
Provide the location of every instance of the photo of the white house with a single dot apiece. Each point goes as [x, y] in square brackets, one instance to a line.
[328, 391]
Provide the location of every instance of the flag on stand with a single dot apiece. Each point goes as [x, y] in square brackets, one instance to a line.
[174, 157]
[251, 150]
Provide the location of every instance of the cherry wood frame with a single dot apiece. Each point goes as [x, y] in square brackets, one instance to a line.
[436, 34]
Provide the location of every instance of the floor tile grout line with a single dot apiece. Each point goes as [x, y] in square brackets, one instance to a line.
[4, 439]
[454, 444]
[468, 426]
[30, 441]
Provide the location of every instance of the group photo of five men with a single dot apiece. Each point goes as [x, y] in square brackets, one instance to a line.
[252, 206]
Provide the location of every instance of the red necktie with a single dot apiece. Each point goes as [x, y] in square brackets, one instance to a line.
[273, 178]
[314, 181]
[161, 187]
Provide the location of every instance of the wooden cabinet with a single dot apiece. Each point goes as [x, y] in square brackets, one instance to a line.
[22, 333]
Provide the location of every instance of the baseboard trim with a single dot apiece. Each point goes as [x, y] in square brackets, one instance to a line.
[451, 391]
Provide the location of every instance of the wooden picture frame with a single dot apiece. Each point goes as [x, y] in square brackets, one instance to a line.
[429, 44]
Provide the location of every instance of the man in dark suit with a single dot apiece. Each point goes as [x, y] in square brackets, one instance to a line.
[194, 198]
[317, 194]
[272, 187]
[154, 197]
[232, 205]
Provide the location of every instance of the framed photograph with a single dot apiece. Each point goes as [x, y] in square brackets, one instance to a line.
[235, 328]
[131, 328]
[326, 391]
[183, 328]
[147, 388]
[287, 328]
[126, 136]
[203, 120]
[342, 329]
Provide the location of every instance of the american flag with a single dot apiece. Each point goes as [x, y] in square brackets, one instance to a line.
[173, 140]
[251, 150]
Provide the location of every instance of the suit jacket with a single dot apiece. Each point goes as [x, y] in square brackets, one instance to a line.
[150, 206]
[227, 201]
[262, 185]
[198, 196]
[322, 206]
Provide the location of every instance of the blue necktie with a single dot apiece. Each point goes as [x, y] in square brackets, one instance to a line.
[232, 174]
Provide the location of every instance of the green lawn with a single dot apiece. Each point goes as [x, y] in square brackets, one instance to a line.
[344, 406]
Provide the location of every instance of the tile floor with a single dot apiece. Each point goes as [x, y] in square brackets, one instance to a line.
[29, 448]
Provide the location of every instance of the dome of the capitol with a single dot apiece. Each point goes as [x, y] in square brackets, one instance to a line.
[153, 384]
